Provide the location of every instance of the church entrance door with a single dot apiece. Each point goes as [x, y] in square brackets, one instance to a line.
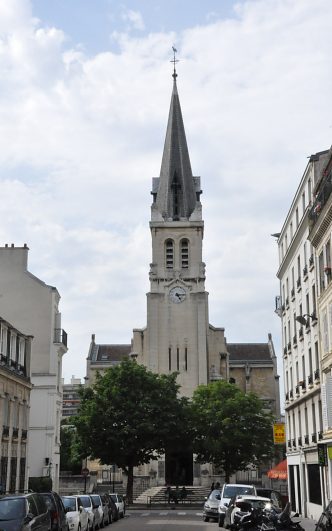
[179, 467]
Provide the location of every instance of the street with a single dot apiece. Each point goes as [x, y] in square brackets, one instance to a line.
[163, 520]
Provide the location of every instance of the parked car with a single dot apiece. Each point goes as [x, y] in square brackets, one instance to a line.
[275, 496]
[92, 508]
[105, 509]
[210, 509]
[25, 512]
[57, 511]
[237, 503]
[112, 508]
[227, 492]
[97, 503]
[119, 502]
[77, 516]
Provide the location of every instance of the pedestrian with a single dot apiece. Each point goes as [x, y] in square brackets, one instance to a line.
[212, 486]
[217, 486]
[169, 494]
[183, 493]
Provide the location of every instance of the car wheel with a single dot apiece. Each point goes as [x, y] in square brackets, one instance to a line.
[206, 518]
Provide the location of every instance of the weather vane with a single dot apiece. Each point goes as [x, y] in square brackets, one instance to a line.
[174, 61]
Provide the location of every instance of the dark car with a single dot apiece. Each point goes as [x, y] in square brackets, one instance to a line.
[24, 512]
[57, 511]
[112, 508]
[274, 495]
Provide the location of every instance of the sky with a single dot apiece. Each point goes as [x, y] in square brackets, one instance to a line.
[85, 88]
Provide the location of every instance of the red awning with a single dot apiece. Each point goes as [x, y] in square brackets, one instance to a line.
[279, 471]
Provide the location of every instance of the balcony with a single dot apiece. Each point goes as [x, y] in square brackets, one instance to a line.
[24, 435]
[310, 381]
[60, 336]
[289, 444]
[294, 443]
[15, 433]
[321, 198]
[316, 375]
[314, 437]
[3, 359]
[320, 435]
[311, 262]
[297, 390]
[291, 394]
[305, 272]
[5, 431]
[299, 441]
[303, 385]
[306, 439]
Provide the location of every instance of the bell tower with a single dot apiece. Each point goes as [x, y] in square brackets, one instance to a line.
[178, 336]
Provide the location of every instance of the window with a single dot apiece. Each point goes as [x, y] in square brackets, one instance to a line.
[303, 203]
[309, 190]
[297, 216]
[321, 271]
[313, 291]
[184, 245]
[291, 229]
[169, 251]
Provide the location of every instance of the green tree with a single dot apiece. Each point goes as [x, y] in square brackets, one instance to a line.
[130, 416]
[70, 458]
[232, 428]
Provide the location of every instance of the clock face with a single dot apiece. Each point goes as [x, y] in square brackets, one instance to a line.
[177, 294]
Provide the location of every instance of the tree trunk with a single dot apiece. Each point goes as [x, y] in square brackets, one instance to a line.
[130, 484]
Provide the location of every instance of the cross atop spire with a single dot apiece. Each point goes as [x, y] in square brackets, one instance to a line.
[174, 61]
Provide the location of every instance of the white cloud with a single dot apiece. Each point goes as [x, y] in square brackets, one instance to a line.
[82, 136]
[134, 18]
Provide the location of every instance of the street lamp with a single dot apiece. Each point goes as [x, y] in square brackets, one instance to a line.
[302, 318]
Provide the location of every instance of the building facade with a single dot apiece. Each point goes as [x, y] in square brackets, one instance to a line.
[70, 397]
[297, 308]
[34, 308]
[15, 389]
[320, 234]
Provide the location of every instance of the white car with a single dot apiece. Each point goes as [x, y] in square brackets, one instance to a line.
[97, 501]
[77, 516]
[228, 491]
[93, 510]
[119, 502]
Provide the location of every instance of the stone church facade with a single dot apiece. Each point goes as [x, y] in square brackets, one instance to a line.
[178, 335]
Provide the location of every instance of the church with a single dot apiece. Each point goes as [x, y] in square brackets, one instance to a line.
[178, 336]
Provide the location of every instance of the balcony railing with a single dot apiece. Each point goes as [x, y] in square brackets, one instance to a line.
[320, 435]
[316, 375]
[311, 262]
[306, 439]
[24, 435]
[299, 441]
[321, 199]
[314, 437]
[297, 390]
[294, 443]
[15, 433]
[310, 380]
[60, 336]
[291, 393]
[289, 444]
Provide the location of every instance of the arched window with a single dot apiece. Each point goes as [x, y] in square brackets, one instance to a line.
[169, 254]
[184, 250]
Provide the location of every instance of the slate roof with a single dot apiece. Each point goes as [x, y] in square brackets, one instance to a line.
[109, 353]
[248, 352]
[175, 174]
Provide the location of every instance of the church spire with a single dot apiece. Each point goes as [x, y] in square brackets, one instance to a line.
[176, 197]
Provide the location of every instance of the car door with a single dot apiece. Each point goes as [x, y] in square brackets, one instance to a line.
[34, 524]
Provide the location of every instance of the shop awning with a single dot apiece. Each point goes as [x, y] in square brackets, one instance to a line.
[279, 471]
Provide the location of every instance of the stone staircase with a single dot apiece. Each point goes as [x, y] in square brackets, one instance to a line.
[158, 496]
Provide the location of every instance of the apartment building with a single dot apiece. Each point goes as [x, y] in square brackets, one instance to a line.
[320, 234]
[70, 397]
[15, 389]
[34, 308]
[297, 308]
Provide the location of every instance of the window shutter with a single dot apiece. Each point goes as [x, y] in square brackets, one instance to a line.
[328, 385]
[324, 407]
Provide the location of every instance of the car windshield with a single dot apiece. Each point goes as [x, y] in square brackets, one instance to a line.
[233, 490]
[69, 503]
[12, 509]
[95, 498]
[86, 502]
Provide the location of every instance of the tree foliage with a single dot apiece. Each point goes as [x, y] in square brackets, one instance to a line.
[129, 417]
[232, 429]
[70, 458]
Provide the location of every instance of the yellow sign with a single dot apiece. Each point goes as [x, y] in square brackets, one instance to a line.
[279, 433]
